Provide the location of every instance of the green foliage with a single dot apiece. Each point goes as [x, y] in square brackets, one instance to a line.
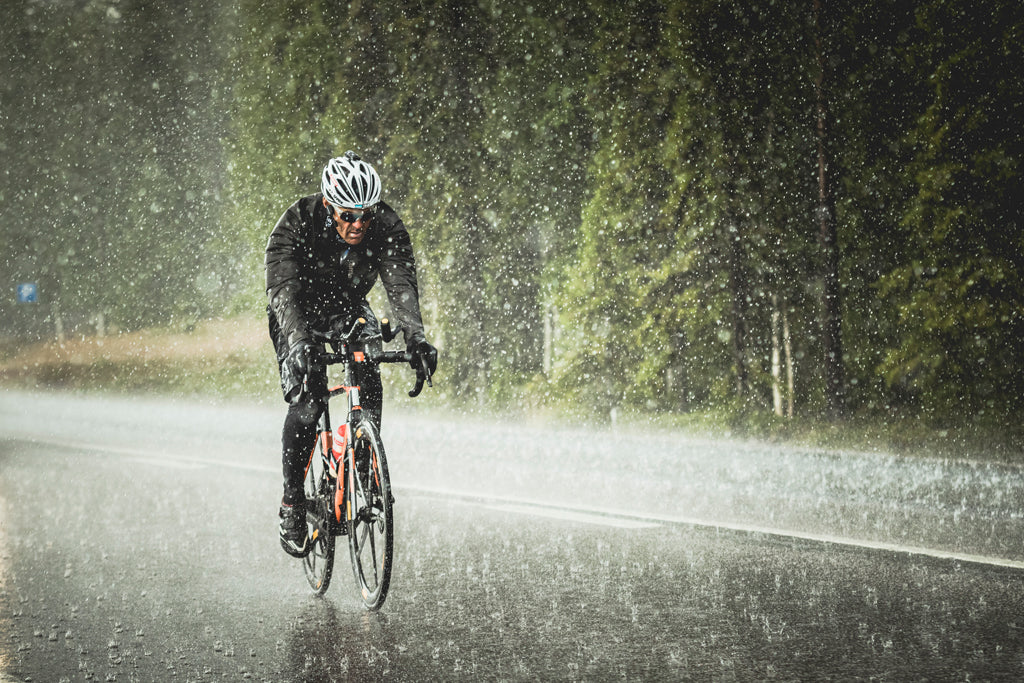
[609, 201]
[958, 294]
[112, 126]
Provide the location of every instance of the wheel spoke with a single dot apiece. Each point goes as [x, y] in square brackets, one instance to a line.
[319, 561]
[373, 556]
[372, 525]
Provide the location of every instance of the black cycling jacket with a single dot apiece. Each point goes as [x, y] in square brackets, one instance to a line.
[313, 275]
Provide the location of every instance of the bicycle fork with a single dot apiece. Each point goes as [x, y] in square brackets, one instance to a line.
[342, 468]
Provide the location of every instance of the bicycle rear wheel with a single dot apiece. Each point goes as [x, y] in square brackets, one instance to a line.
[370, 524]
[318, 564]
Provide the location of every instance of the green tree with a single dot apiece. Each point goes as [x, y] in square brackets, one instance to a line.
[431, 129]
[535, 132]
[619, 193]
[958, 291]
[696, 191]
[875, 97]
[622, 234]
[279, 100]
[111, 177]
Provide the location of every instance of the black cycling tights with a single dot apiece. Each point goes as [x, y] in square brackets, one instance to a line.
[300, 426]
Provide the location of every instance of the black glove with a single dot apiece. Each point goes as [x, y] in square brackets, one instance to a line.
[424, 358]
[303, 359]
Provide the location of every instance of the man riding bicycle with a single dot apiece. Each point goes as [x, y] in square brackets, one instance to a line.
[323, 257]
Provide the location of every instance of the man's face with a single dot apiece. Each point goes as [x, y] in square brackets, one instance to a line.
[352, 230]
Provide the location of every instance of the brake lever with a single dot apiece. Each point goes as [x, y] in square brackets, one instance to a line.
[310, 353]
[415, 391]
[426, 371]
[304, 389]
[419, 380]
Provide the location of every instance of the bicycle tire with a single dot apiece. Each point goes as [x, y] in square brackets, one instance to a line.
[318, 564]
[370, 506]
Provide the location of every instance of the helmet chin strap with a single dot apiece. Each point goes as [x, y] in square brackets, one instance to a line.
[330, 223]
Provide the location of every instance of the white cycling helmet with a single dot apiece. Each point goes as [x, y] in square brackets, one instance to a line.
[350, 182]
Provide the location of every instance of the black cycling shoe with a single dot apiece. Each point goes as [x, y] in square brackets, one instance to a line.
[293, 530]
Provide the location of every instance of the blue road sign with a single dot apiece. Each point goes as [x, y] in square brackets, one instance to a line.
[28, 293]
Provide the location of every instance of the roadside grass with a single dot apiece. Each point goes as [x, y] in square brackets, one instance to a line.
[896, 433]
[232, 375]
[228, 359]
[233, 359]
[224, 358]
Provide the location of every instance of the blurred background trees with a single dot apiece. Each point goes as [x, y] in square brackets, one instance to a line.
[613, 204]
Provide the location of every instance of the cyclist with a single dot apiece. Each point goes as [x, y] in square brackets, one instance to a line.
[323, 257]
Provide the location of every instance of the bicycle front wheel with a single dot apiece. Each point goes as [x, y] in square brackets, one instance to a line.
[318, 564]
[370, 524]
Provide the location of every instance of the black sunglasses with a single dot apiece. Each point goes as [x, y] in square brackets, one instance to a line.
[352, 217]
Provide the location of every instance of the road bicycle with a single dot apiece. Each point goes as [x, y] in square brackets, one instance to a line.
[348, 489]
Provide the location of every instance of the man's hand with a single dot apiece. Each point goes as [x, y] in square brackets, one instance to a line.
[303, 358]
[424, 358]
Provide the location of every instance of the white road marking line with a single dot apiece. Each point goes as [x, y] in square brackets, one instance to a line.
[149, 456]
[591, 513]
[573, 516]
[172, 463]
[544, 508]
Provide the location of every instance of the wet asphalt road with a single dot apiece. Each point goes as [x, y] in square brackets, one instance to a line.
[137, 543]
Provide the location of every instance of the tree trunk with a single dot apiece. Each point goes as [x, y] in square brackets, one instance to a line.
[787, 347]
[776, 359]
[831, 322]
[549, 340]
[58, 323]
[782, 356]
[738, 288]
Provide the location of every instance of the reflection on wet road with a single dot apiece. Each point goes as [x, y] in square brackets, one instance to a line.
[115, 565]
